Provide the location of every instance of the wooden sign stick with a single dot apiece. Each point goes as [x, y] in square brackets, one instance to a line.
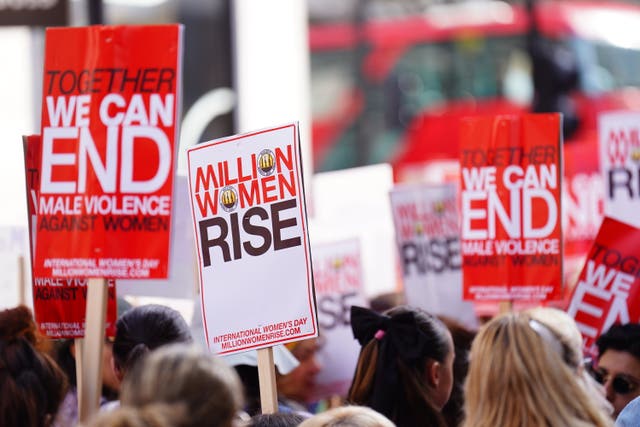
[77, 346]
[505, 307]
[267, 380]
[91, 385]
[22, 283]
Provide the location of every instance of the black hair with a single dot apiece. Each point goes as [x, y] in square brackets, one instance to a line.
[389, 376]
[280, 419]
[621, 338]
[249, 377]
[145, 328]
[67, 362]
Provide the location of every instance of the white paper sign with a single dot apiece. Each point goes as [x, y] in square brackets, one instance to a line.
[337, 272]
[428, 238]
[182, 280]
[254, 256]
[619, 138]
[13, 248]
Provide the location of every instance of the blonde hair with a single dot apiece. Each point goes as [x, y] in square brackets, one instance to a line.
[517, 379]
[566, 331]
[348, 416]
[180, 374]
[156, 415]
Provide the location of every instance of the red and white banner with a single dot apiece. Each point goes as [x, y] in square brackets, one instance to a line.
[59, 304]
[428, 239]
[337, 274]
[608, 289]
[510, 207]
[619, 137]
[249, 214]
[109, 126]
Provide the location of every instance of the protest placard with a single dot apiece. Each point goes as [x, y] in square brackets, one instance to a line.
[59, 304]
[13, 251]
[250, 224]
[511, 207]
[619, 138]
[608, 289]
[109, 112]
[337, 274]
[428, 239]
[109, 124]
[583, 205]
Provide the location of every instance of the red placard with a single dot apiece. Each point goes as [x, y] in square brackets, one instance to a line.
[510, 207]
[608, 289]
[59, 304]
[109, 113]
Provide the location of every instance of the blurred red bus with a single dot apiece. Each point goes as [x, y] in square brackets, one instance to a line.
[393, 90]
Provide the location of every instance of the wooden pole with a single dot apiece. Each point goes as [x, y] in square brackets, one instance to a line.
[22, 285]
[91, 380]
[77, 345]
[267, 379]
[505, 307]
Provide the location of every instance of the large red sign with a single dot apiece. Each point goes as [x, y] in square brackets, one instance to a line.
[608, 289]
[109, 112]
[59, 304]
[510, 207]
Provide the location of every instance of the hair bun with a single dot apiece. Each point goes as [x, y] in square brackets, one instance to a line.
[16, 323]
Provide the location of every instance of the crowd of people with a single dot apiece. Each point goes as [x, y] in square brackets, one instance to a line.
[414, 369]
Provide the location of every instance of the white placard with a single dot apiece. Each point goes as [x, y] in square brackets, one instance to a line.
[182, 280]
[337, 272]
[619, 139]
[428, 239]
[13, 247]
[250, 224]
[355, 203]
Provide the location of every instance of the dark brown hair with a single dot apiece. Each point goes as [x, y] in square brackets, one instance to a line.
[32, 386]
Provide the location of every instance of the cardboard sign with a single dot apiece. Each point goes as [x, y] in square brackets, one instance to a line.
[608, 289]
[250, 222]
[337, 275]
[510, 207]
[619, 137]
[428, 239]
[109, 121]
[59, 304]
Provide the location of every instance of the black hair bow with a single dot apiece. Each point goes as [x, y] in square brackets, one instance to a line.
[401, 331]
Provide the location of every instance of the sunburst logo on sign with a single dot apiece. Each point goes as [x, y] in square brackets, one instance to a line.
[635, 155]
[419, 228]
[438, 207]
[266, 162]
[337, 263]
[229, 198]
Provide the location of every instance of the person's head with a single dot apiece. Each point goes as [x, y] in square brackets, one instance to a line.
[348, 416]
[518, 371]
[618, 367]
[64, 353]
[180, 374]
[462, 338]
[405, 367]
[565, 330]
[158, 415]
[300, 383]
[32, 386]
[145, 328]
[279, 419]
